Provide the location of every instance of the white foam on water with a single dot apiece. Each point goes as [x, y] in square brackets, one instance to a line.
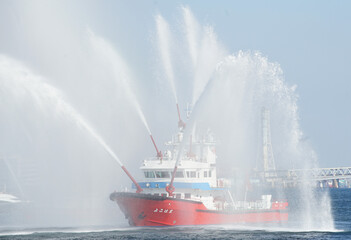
[31, 231]
[241, 227]
[15, 233]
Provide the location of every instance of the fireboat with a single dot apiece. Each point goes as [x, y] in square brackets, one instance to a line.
[182, 188]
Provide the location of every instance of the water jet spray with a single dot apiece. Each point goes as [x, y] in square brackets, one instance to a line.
[13, 74]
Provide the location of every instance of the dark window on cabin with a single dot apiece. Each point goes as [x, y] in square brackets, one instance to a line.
[187, 195]
[149, 174]
[164, 194]
[209, 173]
[178, 195]
[179, 174]
[162, 174]
[191, 174]
[156, 194]
[205, 173]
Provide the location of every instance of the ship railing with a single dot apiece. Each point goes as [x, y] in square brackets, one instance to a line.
[176, 142]
[158, 159]
[185, 158]
[260, 204]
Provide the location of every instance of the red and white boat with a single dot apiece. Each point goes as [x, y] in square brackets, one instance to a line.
[185, 190]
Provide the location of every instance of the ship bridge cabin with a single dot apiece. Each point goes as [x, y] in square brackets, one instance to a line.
[196, 173]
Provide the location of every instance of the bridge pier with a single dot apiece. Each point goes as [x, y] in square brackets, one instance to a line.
[335, 183]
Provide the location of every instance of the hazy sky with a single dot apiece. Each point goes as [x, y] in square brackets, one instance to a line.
[309, 39]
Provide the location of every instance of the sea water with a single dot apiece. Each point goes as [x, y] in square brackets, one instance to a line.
[341, 209]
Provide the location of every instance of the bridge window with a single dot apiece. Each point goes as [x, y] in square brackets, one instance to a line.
[149, 174]
[205, 173]
[162, 174]
[210, 173]
[187, 195]
[191, 174]
[179, 174]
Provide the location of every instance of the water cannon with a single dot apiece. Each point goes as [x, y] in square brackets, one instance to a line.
[181, 124]
[139, 189]
[159, 153]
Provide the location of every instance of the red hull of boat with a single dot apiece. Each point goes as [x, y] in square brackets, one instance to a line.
[150, 210]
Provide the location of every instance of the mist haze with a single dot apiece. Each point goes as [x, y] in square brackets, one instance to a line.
[82, 82]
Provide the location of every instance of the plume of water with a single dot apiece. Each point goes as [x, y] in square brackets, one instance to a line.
[13, 175]
[121, 71]
[164, 42]
[210, 53]
[242, 85]
[19, 81]
[192, 31]
[228, 95]
[204, 49]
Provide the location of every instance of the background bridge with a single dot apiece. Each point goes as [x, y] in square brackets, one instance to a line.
[322, 177]
[269, 175]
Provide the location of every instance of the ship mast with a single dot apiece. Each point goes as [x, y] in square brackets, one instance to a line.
[267, 151]
[170, 188]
